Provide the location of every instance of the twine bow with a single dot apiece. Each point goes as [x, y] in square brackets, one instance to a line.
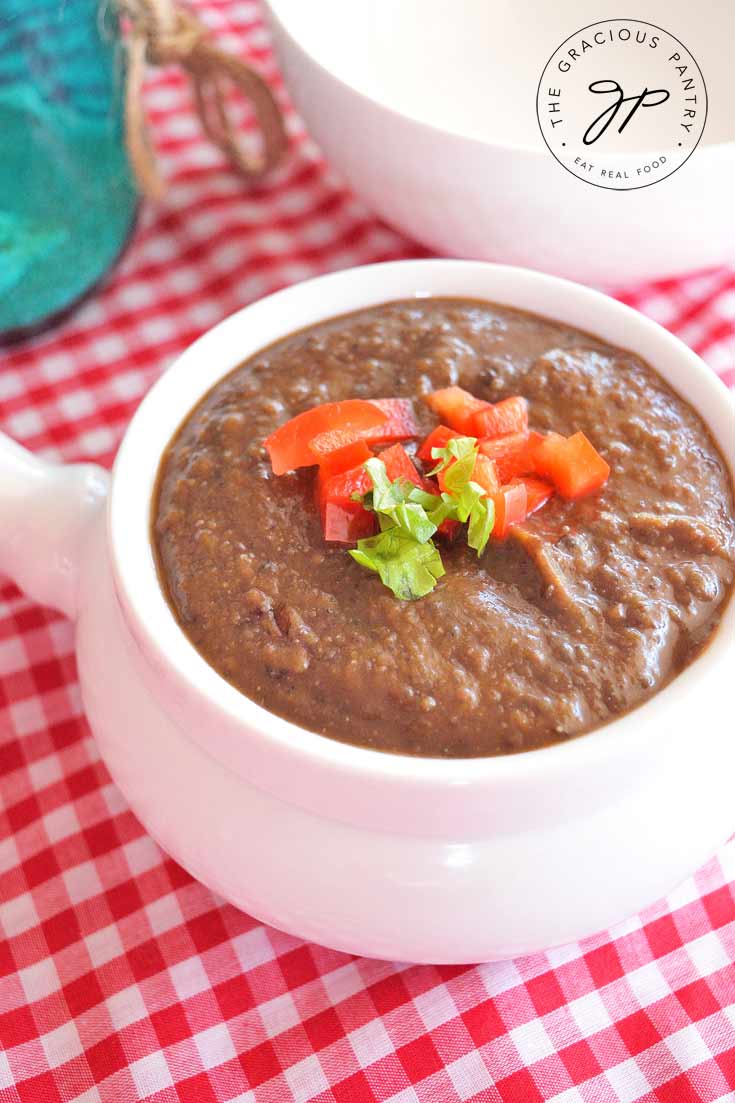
[161, 33]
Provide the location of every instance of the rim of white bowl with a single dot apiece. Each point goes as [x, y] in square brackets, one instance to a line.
[203, 364]
[274, 10]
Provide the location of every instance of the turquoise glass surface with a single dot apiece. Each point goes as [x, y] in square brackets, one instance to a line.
[67, 198]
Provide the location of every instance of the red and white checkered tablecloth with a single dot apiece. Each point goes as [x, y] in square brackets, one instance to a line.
[123, 979]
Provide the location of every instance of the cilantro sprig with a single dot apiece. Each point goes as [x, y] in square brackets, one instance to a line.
[403, 553]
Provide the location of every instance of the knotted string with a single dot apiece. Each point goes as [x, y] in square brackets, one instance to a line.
[159, 32]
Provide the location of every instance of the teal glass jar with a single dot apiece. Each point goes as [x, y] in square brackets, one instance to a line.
[67, 196]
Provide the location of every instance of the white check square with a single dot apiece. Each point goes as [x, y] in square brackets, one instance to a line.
[628, 1082]
[19, 915]
[279, 1015]
[215, 1046]
[189, 978]
[469, 1075]
[532, 1041]
[126, 1007]
[103, 946]
[648, 984]
[306, 1079]
[708, 954]
[590, 1014]
[7, 1080]
[61, 1045]
[436, 1007]
[151, 1074]
[39, 980]
[253, 948]
[45, 771]
[688, 1047]
[82, 882]
[370, 1042]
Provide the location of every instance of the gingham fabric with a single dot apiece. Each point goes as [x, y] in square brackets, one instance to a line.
[121, 978]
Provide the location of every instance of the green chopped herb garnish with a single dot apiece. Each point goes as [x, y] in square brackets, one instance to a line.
[482, 519]
[413, 519]
[461, 449]
[406, 566]
[403, 553]
[468, 498]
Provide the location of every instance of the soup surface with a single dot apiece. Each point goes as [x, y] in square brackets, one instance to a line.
[584, 612]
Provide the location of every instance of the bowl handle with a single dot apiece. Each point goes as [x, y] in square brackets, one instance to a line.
[45, 509]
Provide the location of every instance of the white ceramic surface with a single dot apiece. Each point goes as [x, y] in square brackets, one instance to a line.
[427, 108]
[413, 859]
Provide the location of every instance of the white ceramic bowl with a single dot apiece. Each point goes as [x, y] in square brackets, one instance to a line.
[427, 108]
[378, 854]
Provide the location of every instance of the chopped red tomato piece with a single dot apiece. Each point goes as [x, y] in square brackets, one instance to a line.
[400, 423]
[508, 416]
[538, 492]
[573, 464]
[456, 407]
[485, 474]
[288, 446]
[437, 438]
[338, 451]
[510, 508]
[346, 522]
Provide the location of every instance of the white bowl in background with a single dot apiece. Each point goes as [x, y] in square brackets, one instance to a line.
[419, 859]
[427, 108]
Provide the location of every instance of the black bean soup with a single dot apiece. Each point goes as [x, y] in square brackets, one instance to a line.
[584, 612]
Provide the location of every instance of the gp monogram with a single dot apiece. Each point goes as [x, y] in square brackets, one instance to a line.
[621, 104]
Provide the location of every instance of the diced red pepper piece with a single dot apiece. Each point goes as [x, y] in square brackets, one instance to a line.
[340, 514]
[510, 508]
[324, 444]
[437, 438]
[429, 485]
[538, 492]
[456, 407]
[399, 465]
[573, 464]
[341, 487]
[449, 528]
[346, 522]
[508, 416]
[485, 474]
[400, 423]
[512, 454]
[534, 440]
[338, 451]
[288, 446]
[542, 452]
